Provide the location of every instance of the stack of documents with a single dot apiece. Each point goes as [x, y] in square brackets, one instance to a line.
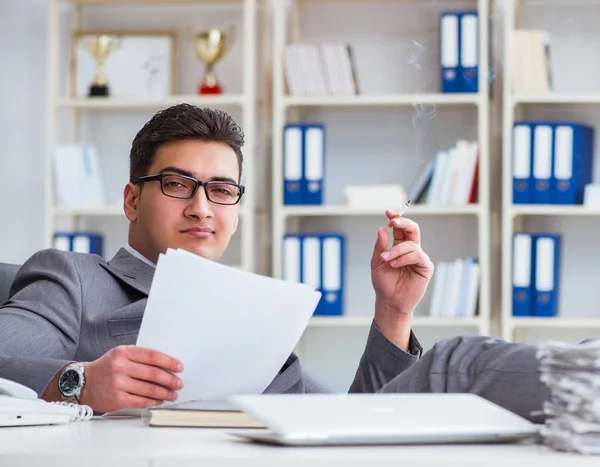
[233, 330]
[572, 372]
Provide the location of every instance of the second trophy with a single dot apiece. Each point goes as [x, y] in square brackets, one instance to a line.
[211, 46]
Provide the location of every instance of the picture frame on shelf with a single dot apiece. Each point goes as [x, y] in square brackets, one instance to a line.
[123, 64]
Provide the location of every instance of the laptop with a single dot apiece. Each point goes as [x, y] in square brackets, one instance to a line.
[373, 419]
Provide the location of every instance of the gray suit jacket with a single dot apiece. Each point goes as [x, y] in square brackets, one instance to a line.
[68, 307]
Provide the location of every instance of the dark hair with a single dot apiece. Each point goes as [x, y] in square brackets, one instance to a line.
[183, 122]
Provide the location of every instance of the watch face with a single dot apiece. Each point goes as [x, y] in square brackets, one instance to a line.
[69, 382]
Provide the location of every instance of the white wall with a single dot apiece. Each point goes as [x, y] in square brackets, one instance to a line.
[22, 116]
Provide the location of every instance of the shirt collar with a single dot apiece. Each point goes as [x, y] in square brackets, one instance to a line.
[139, 256]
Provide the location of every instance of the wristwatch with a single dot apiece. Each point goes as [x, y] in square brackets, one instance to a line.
[71, 381]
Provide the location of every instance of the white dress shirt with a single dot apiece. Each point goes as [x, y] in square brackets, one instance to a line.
[139, 256]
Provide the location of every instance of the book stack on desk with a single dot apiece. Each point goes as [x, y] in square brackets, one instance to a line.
[201, 414]
[572, 373]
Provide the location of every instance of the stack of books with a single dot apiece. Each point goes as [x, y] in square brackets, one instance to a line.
[199, 413]
[455, 288]
[454, 175]
[320, 69]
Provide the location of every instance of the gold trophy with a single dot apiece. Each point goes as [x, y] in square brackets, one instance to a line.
[211, 46]
[100, 47]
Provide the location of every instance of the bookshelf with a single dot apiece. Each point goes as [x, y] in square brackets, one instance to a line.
[72, 119]
[419, 321]
[298, 21]
[123, 103]
[384, 100]
[570, 100]
[344, 210]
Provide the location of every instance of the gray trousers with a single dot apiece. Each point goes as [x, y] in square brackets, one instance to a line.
[505, 373]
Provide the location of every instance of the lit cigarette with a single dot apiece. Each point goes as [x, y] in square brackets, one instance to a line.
[402, 211]
[416, 190]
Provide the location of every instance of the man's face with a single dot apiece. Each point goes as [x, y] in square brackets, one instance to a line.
[158, 222]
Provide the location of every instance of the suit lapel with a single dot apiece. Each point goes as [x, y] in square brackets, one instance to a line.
[130, 270]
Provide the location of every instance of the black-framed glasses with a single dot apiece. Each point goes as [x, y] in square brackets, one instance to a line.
[184, 187]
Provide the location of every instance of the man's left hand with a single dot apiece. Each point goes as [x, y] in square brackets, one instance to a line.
[400, 275]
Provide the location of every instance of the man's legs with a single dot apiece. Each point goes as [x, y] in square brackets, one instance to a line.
[505, 373]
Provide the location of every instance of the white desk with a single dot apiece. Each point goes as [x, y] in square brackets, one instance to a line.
[128, 442]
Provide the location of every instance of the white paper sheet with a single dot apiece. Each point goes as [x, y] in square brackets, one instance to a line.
[233, 330]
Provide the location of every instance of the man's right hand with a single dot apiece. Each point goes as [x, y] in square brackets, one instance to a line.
[130, 377]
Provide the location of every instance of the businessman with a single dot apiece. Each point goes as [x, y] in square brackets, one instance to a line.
[69, 327]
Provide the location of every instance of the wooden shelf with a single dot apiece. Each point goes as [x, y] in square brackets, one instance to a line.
[362, 1]
[120, 103]
[361, 321]
[343, 210]
[106, 211]
[552, 98]
[382, 100]
[148, 2]
[558, 323]
[553, 210]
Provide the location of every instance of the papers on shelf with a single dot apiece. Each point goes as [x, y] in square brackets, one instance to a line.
[78, 177]
[572, 372]
[233, 330]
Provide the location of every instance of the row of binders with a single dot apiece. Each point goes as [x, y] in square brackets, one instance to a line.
[455, 288]
[453, 178]
[78, 176]
[536, 265]
[79, 242]
[317, 260]
[552, 162]
[459, 51]
[320, 69]
[303, 163]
